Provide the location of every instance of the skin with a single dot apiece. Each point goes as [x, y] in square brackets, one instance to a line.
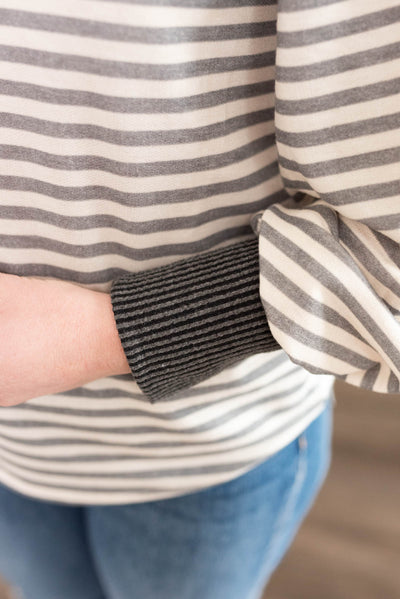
[54, 336]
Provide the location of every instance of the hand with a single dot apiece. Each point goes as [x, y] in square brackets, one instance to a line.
[54, 336]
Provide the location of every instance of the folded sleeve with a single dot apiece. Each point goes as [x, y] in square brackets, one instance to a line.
[330, 254]
[321, 277]
[184, 322]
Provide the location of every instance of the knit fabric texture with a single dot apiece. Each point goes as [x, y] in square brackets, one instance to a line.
[184, 322]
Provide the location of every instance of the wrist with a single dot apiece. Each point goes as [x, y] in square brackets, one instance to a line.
[107, 356]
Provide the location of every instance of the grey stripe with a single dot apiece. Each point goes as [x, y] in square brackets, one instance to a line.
[298, 5]
[391, 247]
[315, 370]
[305, 301]
[351, 194]
[356, 95]
[69, 488]
[327, 347]
[370, 377]
[105, 275]
[128, 33]
[357, 60]
[197, 3]
[70, 97]
[332, 31]
[178, 223]
[177, 415]
[91, 192]
[73, 441]
[339, 132]
[142, 474]
[135, 138]
[140, 169]
[382, 223]
[130, 70]
[108, 393]
[328, 279]
[296, 184]
[362, 193]
[343, 165]
[393, 384]
[367, 258]
[110, 247]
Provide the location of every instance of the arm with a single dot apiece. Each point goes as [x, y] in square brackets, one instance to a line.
[330, 278]
[328, 263]
[182, 323]
[55, 336]
[327, 260]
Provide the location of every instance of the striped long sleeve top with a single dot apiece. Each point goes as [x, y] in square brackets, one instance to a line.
[228, 170]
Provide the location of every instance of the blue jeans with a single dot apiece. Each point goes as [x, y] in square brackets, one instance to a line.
[224, 541]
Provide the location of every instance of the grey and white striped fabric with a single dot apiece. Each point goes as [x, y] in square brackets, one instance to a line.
[330, 278]
[133, 134]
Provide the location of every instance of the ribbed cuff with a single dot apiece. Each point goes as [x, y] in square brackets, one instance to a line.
[182, 323]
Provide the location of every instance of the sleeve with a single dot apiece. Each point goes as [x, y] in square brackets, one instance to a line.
[182, 323]
[321, 278]
[330, 254]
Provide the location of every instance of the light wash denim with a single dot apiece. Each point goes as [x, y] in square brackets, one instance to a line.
[220, 543]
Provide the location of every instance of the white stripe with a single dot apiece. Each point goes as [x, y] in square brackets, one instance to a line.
[342, 115]
[135, 122]
[372, 208]
[132, 52]
[331, 14]
[142, 15]
[138, 154]
[334, 49]
[336, 82]
[128, 88]
[372, 175]
[86, 208]
[243, 168]
[344, 148]
[82, 239]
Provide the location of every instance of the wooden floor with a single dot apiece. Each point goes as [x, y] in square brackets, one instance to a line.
[349, 545]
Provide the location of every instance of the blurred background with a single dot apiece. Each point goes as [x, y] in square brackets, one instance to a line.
[349, 544]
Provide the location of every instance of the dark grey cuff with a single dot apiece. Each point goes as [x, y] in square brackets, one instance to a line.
[182, 323]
